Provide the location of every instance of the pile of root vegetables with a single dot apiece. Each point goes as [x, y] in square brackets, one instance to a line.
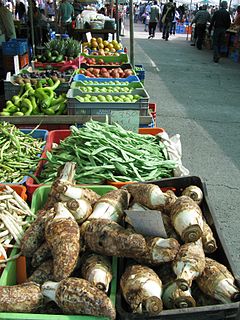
[77, 233]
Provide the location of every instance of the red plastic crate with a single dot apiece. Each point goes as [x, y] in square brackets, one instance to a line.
[153, 110]
[56, 136]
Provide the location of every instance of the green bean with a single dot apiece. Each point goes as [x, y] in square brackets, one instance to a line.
[108, 152]
[18, 153]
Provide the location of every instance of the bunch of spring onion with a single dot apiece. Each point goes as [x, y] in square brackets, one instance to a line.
[109, 152]
[14, 212]
[18, 153]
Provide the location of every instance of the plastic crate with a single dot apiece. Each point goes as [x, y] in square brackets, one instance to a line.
[11, 272]
[153, 110]
[11, 89]
[80, 85]
[56, 136]
[122, 58]
[15, 47]
[76, 107]
[37, 134]
[140, 72]
[82, 77]
[217, 312]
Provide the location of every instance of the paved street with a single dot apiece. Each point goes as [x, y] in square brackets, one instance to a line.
[200, 100]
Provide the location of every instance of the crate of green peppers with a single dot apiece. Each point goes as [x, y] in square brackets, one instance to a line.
[36, 100]
[47, 78]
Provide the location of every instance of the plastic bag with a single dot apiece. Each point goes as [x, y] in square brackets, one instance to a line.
[174, 148]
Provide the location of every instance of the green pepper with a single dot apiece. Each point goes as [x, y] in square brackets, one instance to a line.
[50, 82]
[61, 109]
[16, 100]
[21, 91]
[54, 87]
[5, 114]
[18, 114]
[61, 98]
[10, 107]
[49, 111]
[26, 105]
[43, 97]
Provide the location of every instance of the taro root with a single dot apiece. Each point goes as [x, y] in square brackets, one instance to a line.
[78, 296]
[171, 198]
[159, 250]
[186, 217]
[97, 270]
[208, 240]
[111, 205]
[217, 282]
[24, 298]
[34, 235]
[41, 255]
[63, 238]
[80, 209]
[109, 238]
[63, 188]
[189, 264]
[175, 298]
[142, 289]
[149, 195]
[194, 192]
[43, 273]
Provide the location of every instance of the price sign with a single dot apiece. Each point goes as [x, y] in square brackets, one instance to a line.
[16, 64]
[128, 119]
[88, 36]
[147, 222]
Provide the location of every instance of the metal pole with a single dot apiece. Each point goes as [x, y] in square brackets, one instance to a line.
[131, 32]
[117, 21]
[31, 24]
[190, 17]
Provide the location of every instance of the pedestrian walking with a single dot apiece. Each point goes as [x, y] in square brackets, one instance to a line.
[174, 22]
[201, 18]
[167, 18]
[220, 21]
[65, 15]
[146, 22]
[154, 18]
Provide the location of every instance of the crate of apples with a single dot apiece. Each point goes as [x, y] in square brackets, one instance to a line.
[106, 73]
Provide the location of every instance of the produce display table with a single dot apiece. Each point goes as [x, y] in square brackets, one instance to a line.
[80, 34]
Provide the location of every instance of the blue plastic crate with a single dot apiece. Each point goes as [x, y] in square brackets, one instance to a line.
[37, 134]
[82, 77]
[15, 47]
[140, 73]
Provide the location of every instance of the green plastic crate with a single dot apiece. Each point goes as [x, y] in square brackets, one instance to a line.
[122, 58]
[40, 195]
[8, 276]
[132, 85]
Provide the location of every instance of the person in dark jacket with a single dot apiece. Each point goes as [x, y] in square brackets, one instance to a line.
[167, 18]
[201, 18]
[220, 21]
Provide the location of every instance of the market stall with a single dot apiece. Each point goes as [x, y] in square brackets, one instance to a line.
[105, 221]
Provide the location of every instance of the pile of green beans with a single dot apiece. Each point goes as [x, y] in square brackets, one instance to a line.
[19, 153]
[108, 152]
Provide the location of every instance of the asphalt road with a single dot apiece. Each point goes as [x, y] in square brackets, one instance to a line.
[200, 100]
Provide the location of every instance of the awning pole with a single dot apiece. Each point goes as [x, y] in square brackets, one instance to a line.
[32, 26]
[131, 32]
